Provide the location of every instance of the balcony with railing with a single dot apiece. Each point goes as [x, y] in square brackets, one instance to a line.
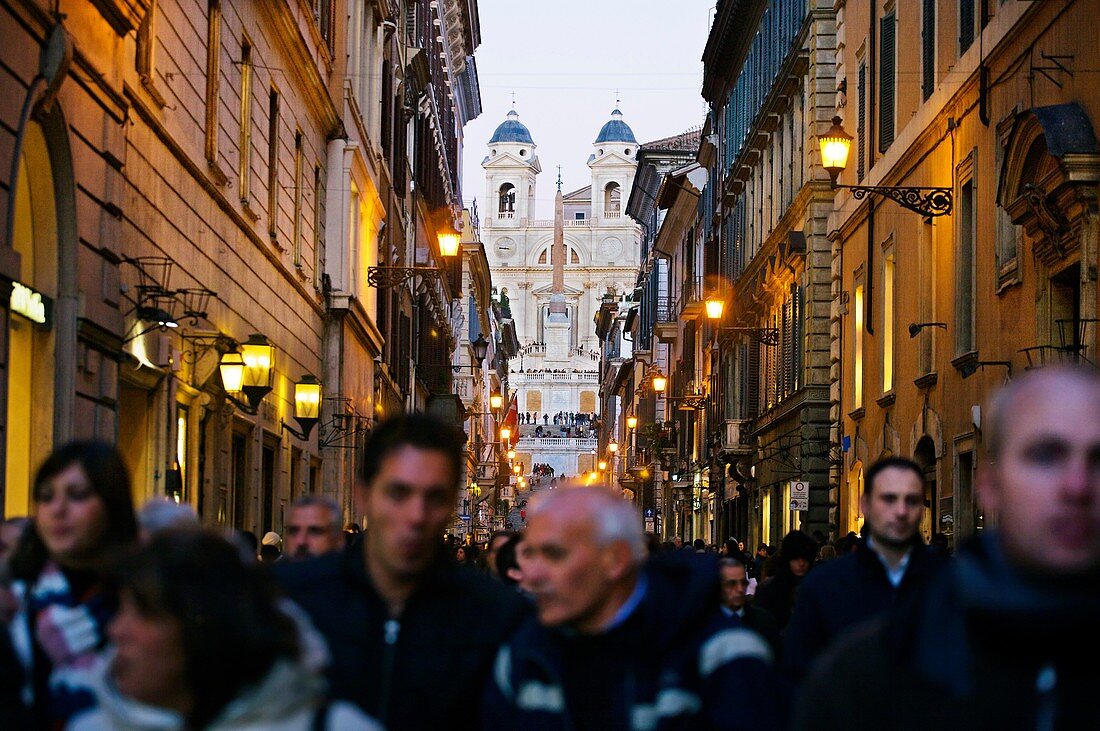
[666, 325]
[692, 296]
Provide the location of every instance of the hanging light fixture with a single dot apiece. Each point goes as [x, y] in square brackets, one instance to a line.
[307, 406]
[835, 146]
[259, 368]
[231, 369]
[660, 382]
[448, 241]
[714, 306]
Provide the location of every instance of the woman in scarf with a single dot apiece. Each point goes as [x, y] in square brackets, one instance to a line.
[201, 642]
[84, 518]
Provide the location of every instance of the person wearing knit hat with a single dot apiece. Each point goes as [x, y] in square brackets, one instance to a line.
[776, 594]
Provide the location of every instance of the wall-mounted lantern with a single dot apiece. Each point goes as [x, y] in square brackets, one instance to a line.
[307, 406]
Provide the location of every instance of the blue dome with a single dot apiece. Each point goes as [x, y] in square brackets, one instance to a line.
[512, 130]
[616, 130]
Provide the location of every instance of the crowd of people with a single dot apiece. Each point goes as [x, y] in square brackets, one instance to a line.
[144, 620]
[562, 418]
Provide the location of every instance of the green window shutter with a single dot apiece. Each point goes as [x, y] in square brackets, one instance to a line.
[966, 25]
[887, 62]
[928, 48]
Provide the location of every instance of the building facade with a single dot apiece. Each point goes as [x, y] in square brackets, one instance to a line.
[221, 189]
[556, 373]
[769, 76]
[933, 312]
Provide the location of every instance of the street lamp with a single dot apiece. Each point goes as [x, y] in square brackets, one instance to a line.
[448, 241]
[307, 406]
[496, 401]
[715, 305]
[249, 371]
[835, 145]
[631, 421]
[612, 447]
[259, 368]
[511, 454]
[481, 348]
[602, 464]
[505, 433]
[660, 381]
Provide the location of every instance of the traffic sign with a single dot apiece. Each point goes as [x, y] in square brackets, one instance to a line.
[800, 495]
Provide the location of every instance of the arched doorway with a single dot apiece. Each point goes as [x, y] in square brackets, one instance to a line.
[925, 456]
[31, 339]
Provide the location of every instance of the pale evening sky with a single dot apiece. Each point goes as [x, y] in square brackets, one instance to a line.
[565, 59]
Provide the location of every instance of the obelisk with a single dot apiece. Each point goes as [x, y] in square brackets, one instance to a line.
[557, 324]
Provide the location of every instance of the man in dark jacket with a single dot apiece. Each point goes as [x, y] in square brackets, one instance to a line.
[1000, 637]
[737, 611]
[412, 636]
[890, 562]
[619, 643]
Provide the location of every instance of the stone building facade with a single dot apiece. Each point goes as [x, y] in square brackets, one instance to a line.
[770, 83]
[932, 313]
[557, 367]
[192, 173]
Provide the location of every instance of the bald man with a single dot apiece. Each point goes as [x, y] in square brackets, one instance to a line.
[618, 642]
[998, 639]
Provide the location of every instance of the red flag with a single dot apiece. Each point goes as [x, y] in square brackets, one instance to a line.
[511, 420]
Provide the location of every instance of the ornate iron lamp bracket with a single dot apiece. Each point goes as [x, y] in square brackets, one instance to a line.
[928, 202]
[695, 401]
[385, 277]
[766, 335]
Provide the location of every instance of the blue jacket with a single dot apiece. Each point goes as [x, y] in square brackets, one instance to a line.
[667, 666]
[844, 592]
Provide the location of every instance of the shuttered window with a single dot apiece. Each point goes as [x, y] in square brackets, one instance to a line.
[966, 25]
[861, 128]
[887, 64]
[928, 48]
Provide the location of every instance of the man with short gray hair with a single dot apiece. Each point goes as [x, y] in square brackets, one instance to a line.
[638, 631]
[314, 527]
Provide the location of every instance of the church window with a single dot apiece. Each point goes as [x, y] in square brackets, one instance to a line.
[612, 195]
[543, 256]
[523, 153]
[574, 258]
[601, 152]
[507, 198]
[628, 151]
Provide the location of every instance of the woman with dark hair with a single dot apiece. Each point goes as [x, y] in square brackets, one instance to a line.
[776, 593]
[84, 519]
[201, 642]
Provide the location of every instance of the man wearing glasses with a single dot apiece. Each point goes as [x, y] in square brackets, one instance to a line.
[734, 581]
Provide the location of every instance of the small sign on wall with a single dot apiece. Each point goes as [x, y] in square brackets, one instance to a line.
[800, 495]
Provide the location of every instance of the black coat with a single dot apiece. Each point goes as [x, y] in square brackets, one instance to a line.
[982, 647]
[423, 670]
[841, 593]
[761, 622]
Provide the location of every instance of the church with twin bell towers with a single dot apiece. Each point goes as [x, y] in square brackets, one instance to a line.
[553, 274]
